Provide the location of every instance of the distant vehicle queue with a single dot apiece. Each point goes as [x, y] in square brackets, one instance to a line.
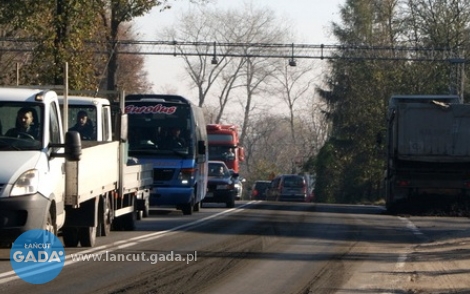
[284, 187]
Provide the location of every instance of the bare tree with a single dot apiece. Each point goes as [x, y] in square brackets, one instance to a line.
[224, 76]
[294, 83]
[194, 26]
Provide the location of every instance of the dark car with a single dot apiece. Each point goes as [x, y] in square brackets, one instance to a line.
[288, 187]
[258, 190]
[221, 184]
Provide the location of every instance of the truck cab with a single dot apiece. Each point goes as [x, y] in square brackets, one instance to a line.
[98, 111]
[32, 178]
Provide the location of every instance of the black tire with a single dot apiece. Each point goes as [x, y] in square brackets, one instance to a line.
[187, 209]
[87, 236]
[50, 225]
[146, 211]
[105, 220]
[128, 221]
[70, 237]
[230, 203]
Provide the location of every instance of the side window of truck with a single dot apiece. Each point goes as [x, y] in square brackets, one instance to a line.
[54, 130]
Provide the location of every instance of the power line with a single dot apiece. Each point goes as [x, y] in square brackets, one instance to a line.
[289, 51]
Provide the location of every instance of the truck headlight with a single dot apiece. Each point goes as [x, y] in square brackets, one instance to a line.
[27, 183]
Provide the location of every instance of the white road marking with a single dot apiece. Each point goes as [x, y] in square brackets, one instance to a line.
[11, 275]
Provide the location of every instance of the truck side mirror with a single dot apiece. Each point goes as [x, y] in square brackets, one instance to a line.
[124, 127]
[73, 146]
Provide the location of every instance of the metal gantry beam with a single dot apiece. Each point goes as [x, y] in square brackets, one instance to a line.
[286, 51]
[290, 51]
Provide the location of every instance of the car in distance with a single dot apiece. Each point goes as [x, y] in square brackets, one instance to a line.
[258, 190]
[220, 184]
[287, 187]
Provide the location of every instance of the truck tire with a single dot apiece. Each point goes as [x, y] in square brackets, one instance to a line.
[50, 225]
[105, 218]
[146, 211]
[70, 237]
[87, 236]
[128, 221]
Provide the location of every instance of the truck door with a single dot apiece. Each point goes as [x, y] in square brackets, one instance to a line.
[56, 170]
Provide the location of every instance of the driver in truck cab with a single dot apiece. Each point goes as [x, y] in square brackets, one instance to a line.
[25, 126]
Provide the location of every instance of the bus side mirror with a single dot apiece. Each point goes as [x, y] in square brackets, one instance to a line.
[201, 147]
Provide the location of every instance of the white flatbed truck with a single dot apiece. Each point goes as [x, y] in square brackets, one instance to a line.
[57, 182]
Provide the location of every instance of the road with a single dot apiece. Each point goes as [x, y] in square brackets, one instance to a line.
[269, 247]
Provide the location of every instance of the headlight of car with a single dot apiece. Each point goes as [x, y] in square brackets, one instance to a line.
[27, 183]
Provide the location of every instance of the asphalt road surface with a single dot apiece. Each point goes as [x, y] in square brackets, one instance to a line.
[268, 247]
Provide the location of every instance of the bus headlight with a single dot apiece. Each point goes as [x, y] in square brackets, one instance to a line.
[186, 176]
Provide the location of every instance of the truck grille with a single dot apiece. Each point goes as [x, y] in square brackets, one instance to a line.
[163, 174]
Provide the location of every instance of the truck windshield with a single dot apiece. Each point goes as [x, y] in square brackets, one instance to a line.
[159, 128]
[20, 126]
[219, 152]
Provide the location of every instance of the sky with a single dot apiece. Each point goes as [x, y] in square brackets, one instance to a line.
[311, 21]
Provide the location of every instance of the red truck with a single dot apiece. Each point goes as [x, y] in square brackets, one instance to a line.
[224, 145]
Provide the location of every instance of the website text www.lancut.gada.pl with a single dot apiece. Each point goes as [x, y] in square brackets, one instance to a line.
[152, 258]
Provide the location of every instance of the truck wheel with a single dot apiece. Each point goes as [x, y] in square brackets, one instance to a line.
[105, 220]
[70, 237]
[146, 211]
[128, 221]
[51, 226]
[187, 209]
[87, 236]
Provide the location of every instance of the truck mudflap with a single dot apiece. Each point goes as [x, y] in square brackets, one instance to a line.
[20, 214]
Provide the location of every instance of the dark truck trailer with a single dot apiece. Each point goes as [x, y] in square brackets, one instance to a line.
[428, 150]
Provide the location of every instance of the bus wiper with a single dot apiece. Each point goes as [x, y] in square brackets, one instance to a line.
[183, 152]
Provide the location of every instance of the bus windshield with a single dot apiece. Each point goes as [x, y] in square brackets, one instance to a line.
[159, 128]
